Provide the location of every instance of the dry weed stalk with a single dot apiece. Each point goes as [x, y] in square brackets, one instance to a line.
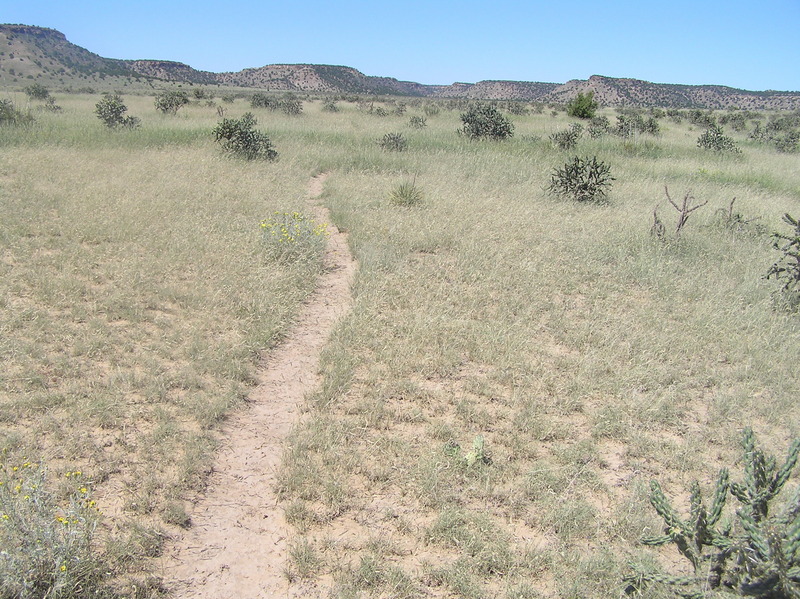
[684, 210]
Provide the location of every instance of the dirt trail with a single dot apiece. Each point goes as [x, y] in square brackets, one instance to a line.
[237, 546]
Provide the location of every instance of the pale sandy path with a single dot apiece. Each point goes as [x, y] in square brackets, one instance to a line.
[237, 546]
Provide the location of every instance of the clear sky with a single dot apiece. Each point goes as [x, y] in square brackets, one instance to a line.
[739, 43]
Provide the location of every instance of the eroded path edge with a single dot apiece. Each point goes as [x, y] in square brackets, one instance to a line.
[237, 546]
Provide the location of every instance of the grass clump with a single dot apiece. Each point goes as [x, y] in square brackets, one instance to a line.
[754, 552]
[46, 541]
[582, 179]
[406, 194]
[239, 138]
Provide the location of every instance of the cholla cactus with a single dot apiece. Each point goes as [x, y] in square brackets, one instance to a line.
[751, 553]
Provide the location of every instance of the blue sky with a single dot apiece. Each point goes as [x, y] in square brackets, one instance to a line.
[744, 44]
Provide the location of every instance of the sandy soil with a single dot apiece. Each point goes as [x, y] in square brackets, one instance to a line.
[237, 545]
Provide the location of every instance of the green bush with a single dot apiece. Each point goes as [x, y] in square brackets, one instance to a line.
[583, 106]
[599, 126]
[330, 106]
[259, 100]
[169, 102]
[753, 552]
[291, 105]
[567, 139]
[37, 91]
[787, 269]
[417, 122]
[582, 179]
[714, 139]
[632, 123]
[393, 142]
[430, 110]
[111, 110]
[202, 94]
[9, 115]
[239, 138]
[47, 546]
[701, 118]
[485, 121]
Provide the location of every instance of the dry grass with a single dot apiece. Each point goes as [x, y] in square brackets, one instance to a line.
[588, 356]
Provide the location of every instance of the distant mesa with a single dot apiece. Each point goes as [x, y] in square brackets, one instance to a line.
[42, 54]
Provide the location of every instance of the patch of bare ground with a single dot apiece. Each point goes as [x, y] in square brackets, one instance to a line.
[237, 544]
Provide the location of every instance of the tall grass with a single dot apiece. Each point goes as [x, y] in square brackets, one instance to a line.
[586, 354]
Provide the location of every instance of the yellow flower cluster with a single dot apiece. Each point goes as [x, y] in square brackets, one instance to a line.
[292, 227]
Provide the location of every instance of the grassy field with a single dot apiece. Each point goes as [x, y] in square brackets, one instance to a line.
[583, 355]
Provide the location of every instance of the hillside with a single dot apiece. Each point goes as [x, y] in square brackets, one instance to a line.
[40, 54]
[45, 55]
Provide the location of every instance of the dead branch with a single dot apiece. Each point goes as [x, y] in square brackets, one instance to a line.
[684, 210]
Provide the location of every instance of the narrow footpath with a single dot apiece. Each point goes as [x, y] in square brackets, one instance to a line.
[237, 545]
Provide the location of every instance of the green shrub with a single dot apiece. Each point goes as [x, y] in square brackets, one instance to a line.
[417, 122]
[393, 142]
[9, 115]
[567, 139]
[169, 102]
[202, 94]
[111, 110]
[714, 139]
[47, 546]
[582, 179]
[737, 120]
[753, 552]
[430, 110]
[599, 126]
[50, 104]
[330, 106]
[582, 106]
[239, 138]
[259, 100]
[632, 123]
[485, 121]
[517, 108]
[787, 269]
[37, 91]
[788, 142]
[701, 118]
[291, 105]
